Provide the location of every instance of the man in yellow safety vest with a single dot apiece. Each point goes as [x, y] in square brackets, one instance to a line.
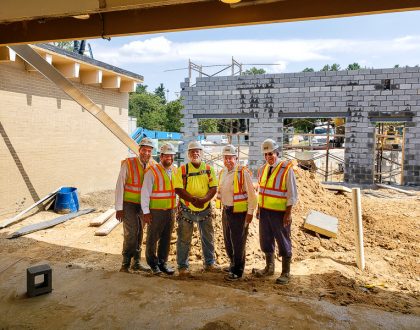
[127, 204]
[277, 195]
[158, 202]
[237, 197]
[196, 185]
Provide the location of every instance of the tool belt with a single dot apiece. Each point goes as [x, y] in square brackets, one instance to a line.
[186, 214]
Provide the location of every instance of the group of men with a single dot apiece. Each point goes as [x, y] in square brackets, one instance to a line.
[146, 194]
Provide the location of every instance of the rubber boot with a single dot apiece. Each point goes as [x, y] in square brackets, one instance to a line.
[268, 270]
[137, 266]
[125, 263]
[285, 271]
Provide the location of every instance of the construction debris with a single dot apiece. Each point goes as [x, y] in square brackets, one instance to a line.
[411, 193]
[336, 187]
[322, 224]
[47, 224]
[18, 217]
[107, 227]
[102, 218]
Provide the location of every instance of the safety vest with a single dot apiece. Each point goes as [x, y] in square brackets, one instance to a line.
[272, 192]
[186, 175]
[240, 197]
[163, 192]
[132, 187]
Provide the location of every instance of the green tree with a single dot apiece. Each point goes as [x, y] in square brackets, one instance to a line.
[326, 68]
[254, 71]
[141, 89]
[333, 67]
[207, 126]
[67, 45]
[308, 70]
[353, 66]
[396, 66]
[173, 115]
[148, 110]
[160, 92]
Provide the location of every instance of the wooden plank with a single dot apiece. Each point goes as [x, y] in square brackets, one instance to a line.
[411, 193]
[107, 227]
[321, 223]
[336, 187]
[47, 224]
[18, 217]
[102, 218]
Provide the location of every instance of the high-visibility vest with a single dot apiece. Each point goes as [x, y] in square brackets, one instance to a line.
[272, 192]
[132, 187]
[163, 192]
[186, 175]
[240, 197]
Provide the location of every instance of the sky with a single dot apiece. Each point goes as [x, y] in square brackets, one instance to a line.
[373, 41]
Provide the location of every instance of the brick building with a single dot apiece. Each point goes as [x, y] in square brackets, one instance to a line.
[46, 139]
[362, 97]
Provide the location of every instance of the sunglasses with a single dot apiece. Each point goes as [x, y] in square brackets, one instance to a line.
[269, 154]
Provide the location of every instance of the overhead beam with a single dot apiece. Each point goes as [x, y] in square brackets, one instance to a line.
[69, 70]
[128, 86]
[7, 55]
[91, 77]
[46, 57]
[187, 16]
[111, 82]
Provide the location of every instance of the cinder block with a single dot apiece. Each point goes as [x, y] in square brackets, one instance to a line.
[44, 287]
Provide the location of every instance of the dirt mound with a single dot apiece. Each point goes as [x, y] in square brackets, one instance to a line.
[312, 196]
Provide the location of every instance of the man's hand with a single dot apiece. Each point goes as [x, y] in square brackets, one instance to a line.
[120, 215]
[198, 203]
[248, 218]
[287, 219]
[147, 218]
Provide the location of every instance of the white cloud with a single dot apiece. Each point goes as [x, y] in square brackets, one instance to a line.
[283, 52]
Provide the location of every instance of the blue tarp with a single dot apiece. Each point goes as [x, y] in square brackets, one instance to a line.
[140, 133]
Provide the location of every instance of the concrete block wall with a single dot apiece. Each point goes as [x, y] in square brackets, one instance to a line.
[47, 140]
[356, 95]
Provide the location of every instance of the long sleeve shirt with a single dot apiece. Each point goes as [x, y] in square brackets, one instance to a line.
[226, 189]
[292, 193]
[147, 188]
[119, 189]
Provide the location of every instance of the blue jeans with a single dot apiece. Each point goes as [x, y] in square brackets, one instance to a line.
[186, 222]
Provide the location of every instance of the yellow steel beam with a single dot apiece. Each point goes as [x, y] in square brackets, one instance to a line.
[187, 16]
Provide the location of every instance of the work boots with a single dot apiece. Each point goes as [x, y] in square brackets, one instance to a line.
[285, 271]
[137, 266]
[125, 263]
[269, 267]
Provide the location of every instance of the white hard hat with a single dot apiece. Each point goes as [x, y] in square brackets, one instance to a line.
[194, 145]
[229, 150]
[269, 145]
[167, 149]
[146, 142]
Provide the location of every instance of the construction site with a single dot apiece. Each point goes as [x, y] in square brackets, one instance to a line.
[65, 129]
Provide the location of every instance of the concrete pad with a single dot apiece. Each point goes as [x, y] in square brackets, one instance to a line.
[322, 223]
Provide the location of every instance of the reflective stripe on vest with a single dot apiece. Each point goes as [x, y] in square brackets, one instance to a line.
[163, 192]
[273, 190]
[240, 197]
[132, 187]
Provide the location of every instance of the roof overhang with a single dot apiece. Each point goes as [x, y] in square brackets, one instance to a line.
[24, 21]
[75, 68]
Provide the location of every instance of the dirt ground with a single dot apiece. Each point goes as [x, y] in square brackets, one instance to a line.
[327, 289]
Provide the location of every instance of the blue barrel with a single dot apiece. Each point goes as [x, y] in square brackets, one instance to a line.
[66, 200]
